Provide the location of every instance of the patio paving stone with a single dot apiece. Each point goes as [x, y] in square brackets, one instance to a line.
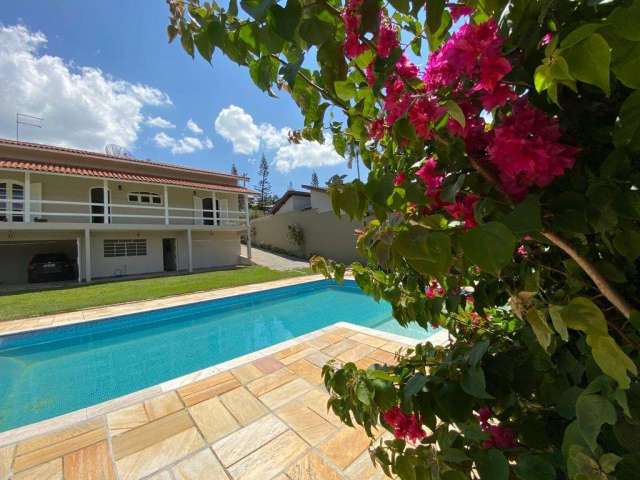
[213, 419]
[285, 393]
[268, 364]
[308, 424]
[243, 406]
[269, 382]
[313, 467]
[51, 470]
[344, 447]
[368, 340]
[247, 372]
[202, 466]
[163, 405]
[307, 370]
[209, 388]
[90, 463]
[356, 353]
[6, 457]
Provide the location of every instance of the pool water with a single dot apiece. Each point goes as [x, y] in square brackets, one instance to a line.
[55, 371]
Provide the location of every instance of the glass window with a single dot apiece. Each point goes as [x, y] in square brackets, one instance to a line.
[125, 248]
[145, 197]
[133, 197]
[157, 200]
[3, 202]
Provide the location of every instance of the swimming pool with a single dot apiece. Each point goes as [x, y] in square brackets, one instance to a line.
[58, 370]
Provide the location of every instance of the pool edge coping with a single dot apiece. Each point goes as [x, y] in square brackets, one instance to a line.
[66, 420]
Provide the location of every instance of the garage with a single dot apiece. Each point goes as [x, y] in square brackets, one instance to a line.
[16, 255]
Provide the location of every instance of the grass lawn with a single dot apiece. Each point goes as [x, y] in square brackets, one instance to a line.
[32, 304]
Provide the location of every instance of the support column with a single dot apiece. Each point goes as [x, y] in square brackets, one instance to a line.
[79, 259]
[215, 210]
[166, 205]
[27, 197]
[190, 250]
[246, 211]
[105, 200]
[87, 255]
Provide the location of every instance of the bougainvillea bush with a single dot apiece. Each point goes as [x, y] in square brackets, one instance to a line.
[502, 140]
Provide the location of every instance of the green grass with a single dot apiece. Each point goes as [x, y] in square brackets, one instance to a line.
[30, 304]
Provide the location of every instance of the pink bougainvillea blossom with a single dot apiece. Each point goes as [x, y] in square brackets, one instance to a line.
[429, 175]
[405, 68]
[376, 129]
[371, 74]
[400, 178]
[522, 251]
[434, 289]
[462, 209]
[351, 18]
[498, 97]
[526, 150]
[422, 113]
[396, 103]
[405, 426]
[387, 37]
[547, 39]
[458, 11]
[501, 436]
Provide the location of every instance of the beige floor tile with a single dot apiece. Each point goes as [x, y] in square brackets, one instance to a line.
[317, 401]
[164, 475]
[51, 470]
[347, 445]
[282, 476]
[159, 455]
[363, 468]
[271, 458]
[383, 357]
[319, 342]
[213, 419]
[356, 353]
[309, 425]
[269, 382]
[331, 338]
[202, 466]
[208, 388]
[345, 332]
[393, 347]
[6, 459]
[248, 439]
[243, 406]
[313, 467]
[58, 436]
[290, 351]
[90, 463]
[163, 405]
[319, 359]
[337, 348]
[142, 437]
[298, 355]
[287, 392]
[246, 373]
[307, 370]
[56, 450]
[268, 364]
[127, 418]
[369, 340]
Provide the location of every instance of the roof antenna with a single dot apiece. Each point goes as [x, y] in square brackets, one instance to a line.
[24, 119]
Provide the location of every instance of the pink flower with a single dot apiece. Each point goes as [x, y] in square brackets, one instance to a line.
[547, 39]
[396, 103]
[353, 47]
[405, 68]
[462, 209]
[501, 437]
[400, 178]
[430, 177]
[484, 414]
[376, 129]
[526, 150]
[434, 290]
[387, 38]
[522, 251]
[458, 11]
[351, 18]
[498, 97]
[424, 112]
[404, 426]
[492, 69]
[371, 74]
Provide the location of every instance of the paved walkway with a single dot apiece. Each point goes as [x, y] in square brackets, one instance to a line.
[274, 260]
[263, 416]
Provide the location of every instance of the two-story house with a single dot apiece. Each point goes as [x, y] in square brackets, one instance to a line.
[115, 216]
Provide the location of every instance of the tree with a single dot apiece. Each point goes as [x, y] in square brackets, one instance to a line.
[516, 231]
[234, 170]
[264, 185]
[314, 180]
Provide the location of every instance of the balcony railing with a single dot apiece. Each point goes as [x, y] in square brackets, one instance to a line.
[56, 211]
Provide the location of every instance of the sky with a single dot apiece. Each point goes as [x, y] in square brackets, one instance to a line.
[103, 72]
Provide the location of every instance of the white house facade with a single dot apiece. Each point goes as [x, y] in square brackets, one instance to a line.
[115, 216]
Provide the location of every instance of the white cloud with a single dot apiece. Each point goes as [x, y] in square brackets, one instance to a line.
[238, 127]
[82, 107]
[194, 127]
[159, 122]
[306, 154]
[182, 145]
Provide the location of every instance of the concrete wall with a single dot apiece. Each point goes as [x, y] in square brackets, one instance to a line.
[295, 203]
[321, 201]
[325, 234]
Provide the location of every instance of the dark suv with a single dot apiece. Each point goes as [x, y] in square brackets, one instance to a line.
[51, 267]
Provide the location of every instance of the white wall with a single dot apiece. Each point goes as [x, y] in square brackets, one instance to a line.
[295, 203]
[321, 201]
[215, 249]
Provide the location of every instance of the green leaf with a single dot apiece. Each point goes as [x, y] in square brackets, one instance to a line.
[401, 5]
[257, 8]
[608, 462]
[534, 467]
[316, 31]
[186, 39]
[625, 21]
[454, 455]
[477, 352]
[611, 359]
[526, 218]
[628, 244]
[628, 467]
[593, 411]
[582, 466]
[579, 34]
[627, 131]
[363, 393]
[263, 72]
[285, 20]
[414, 385]
[427, 252]
[489, 246]
[435, 9]
[473, 383]
[589, 61]
[345, 90]
[540, 327]
[555, 312]
[204, 42]
[492, 465]
[455, 112]
[582, 314]
[542, 78]
[232, 11]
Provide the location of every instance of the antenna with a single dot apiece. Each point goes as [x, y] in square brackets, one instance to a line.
[117, 151]
[24, 119]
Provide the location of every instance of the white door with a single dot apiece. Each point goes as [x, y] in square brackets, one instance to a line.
[197, 211]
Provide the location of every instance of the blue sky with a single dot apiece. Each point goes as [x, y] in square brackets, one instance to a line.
[102, 71]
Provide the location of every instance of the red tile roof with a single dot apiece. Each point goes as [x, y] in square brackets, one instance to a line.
[87, 153]
[116, 175]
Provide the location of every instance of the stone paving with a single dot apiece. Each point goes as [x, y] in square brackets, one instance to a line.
[273, 260]
[264, 419]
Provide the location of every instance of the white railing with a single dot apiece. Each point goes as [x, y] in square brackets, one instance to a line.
[44, 211]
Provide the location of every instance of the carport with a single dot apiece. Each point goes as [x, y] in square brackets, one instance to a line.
[15, 257]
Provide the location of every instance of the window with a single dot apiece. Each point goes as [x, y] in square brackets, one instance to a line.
[11, 201]
[125, 248]
[145, 197]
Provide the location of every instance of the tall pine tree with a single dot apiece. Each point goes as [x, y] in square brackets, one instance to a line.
[314, 180]
[234, 170]
[264, 185]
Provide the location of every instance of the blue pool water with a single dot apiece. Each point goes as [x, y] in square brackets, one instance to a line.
[55, 371]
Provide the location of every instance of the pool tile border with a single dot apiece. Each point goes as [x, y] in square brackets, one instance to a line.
[63, 421]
